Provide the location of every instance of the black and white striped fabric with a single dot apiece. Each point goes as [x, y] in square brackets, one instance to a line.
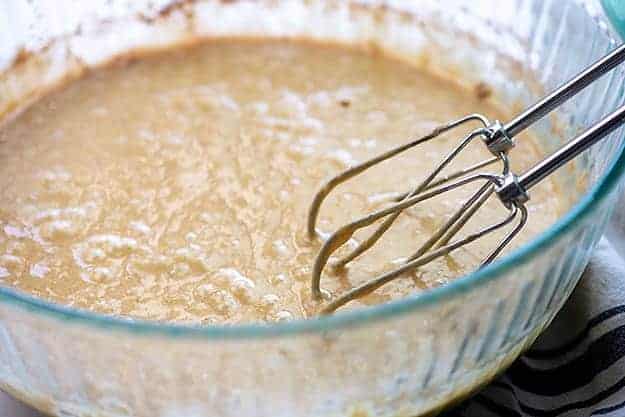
[577, 367]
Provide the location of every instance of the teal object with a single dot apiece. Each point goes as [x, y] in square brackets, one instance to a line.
[615, 10]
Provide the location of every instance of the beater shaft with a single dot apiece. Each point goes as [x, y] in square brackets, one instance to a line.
[574, 148]
[562, 94]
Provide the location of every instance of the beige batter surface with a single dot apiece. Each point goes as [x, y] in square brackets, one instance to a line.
[175, 187]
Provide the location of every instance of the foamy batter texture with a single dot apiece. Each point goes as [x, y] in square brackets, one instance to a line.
[175, 187]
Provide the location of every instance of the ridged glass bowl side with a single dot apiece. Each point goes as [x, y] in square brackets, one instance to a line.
[404, 358]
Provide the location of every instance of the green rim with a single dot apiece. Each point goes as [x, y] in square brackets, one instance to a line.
[524, 254]
[615, 10]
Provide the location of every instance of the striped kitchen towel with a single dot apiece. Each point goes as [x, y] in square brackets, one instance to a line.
[577, 367]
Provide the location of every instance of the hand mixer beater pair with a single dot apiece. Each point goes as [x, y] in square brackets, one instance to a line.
[511, 189]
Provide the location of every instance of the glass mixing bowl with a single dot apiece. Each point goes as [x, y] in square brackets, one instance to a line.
[405, 358]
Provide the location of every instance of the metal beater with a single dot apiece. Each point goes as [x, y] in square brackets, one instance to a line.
[511, 189]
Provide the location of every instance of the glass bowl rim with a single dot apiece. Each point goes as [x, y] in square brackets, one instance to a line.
[347, 319]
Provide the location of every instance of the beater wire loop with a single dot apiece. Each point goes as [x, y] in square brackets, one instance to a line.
[374, 284]
[388, 222]
[344, 233]
[351, 172]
